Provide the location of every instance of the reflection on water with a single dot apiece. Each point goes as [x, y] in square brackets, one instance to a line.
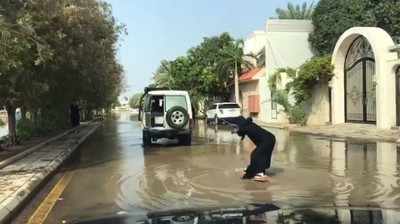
[307, 171]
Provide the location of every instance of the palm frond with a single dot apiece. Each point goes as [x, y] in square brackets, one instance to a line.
[302, 11]
[247, 65]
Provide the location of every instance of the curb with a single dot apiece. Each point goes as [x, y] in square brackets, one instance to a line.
[340, 136]
[295, 129]
[17, 199]
[21, 155]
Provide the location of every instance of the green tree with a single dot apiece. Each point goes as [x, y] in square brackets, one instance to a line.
[234, 62]
[214, 80]
[83, 35]
[162, 77]
[55, 53]
[22, 52]
[134, 101]
[332, 18]
[261, 58]
[303, 11]
[205, 71]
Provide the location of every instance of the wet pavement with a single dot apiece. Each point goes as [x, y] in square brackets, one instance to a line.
[114, 173]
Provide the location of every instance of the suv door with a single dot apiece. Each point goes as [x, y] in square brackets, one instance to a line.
[146, 119]
[172, 101]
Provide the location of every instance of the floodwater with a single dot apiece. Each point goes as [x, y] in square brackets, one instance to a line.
[114, 173]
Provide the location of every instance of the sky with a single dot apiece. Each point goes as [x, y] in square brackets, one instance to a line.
[166, 29]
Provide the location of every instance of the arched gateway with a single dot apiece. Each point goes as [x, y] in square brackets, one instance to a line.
[364, 85]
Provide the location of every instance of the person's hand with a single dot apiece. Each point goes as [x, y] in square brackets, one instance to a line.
[234, 129]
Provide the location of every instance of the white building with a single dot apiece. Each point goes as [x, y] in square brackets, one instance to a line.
[286, 45]
[249, 82]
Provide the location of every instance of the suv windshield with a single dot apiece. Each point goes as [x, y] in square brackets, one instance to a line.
[172, 101]
[229, 106]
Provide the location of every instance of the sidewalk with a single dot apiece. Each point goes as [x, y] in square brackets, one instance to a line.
[347, 131]
[21, 178]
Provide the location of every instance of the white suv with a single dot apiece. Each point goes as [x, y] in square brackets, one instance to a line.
[223, 111]
[166, 114]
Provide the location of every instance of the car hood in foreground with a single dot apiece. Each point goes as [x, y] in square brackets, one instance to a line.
[257, 214]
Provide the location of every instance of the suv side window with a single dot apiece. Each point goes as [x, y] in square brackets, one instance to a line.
[157, 104]
[147, 103]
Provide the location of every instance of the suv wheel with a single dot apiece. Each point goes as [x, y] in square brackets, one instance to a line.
[146, 138]
[185, 139]
[177, 117]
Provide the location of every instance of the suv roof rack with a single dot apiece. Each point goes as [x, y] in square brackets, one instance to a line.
[148, 89]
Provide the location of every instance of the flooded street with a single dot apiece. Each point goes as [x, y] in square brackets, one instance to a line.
[114, 173]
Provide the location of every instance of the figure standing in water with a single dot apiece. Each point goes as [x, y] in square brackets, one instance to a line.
[260, 158]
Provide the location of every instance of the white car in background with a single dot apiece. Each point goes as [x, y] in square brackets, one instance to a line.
[218, 112]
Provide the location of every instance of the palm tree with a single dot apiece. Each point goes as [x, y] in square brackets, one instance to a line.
[260, 58]
[234, 62]
[162, 77]
[303, 11]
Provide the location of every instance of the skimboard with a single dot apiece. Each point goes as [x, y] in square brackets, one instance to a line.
[264, 179]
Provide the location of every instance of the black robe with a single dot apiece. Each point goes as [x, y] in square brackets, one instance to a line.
[260, 158]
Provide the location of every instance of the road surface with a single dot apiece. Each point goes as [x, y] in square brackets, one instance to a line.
[114, 174]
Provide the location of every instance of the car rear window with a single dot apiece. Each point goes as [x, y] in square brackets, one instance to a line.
[229, 106]
[172, 101]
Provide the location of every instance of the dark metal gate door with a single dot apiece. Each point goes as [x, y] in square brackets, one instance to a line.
[360, 91]
[398, 96]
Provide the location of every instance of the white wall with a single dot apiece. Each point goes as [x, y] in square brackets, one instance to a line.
[286, 46]
[254, 43]
[318, 112]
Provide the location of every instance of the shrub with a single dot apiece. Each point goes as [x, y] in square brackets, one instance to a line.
[25, 129]
[316, 70]
[297, 114]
